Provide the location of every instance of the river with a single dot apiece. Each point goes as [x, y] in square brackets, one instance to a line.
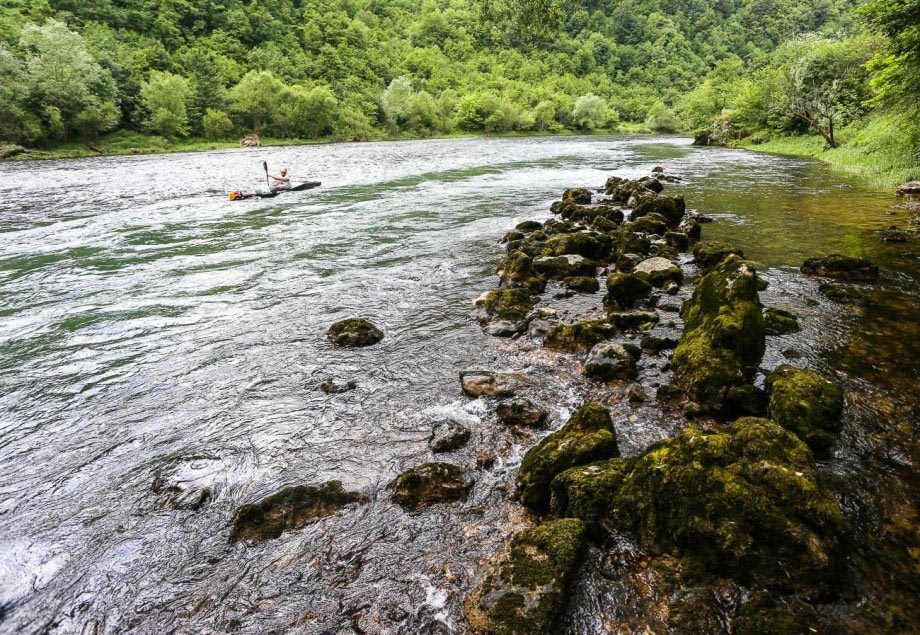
[151, 331]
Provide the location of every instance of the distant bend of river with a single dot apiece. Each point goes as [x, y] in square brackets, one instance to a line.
[151, 330]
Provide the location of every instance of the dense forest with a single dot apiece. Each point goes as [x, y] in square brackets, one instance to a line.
[362, 69]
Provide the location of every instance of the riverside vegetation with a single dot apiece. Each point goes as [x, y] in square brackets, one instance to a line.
[190, 74]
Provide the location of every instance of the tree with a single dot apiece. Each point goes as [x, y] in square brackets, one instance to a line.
[395, 102]
[256, 96]
[544, 114]
[17, 124]
[422, 113]
[447, 102]
[662, 119]
[164, 96]
[216, 124]
[897, 69]
[590, 111]
[320, 113]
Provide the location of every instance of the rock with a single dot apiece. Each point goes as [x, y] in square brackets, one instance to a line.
[657, 169]
[724, 336]
[636, 395]
[678, 240]
[330, 387]
[763, 612]
[512, 237]
[291, 508]
[479, 383]
[630, 242]
[605, 225]
[430, 483]
[485, 459]
[516, 271]
[844, 295]
[625, 289]
[806, 404]
[178, 496]
[911, 188]
[526, 588]
[586, 437]
[610, 361]
[354, 332]
[633, 320]
[779, 322]
[512, 305]
[529, 226]
[576, 243]
[708, 254]
[577, 195]
[521, 412]
[578, 337]
[505, 328]
[747, 504]
[622, 190]
[650, 224]
[671, 288]
[583, 284]
[448, 435]
[670, 207]
[692, 229]
[895, 235]
[842, 267]
[652, 183]
[657, 271]
[559, 267]
[656, 344]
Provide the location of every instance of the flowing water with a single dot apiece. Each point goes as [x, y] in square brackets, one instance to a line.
[156, 337]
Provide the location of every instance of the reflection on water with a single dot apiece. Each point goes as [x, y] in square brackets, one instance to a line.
[151, 329]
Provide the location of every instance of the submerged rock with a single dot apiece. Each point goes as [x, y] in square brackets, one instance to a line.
[578, 337]
[779, 322]
[609, 360]
[521, 412]
[448, 435]
[724, 337]
[843, 295]
[525, 589]
[806, 404]
[587, 436]
[331, 387]
[842, 267]
[354, 332]
[430, 483]
[746, 503]
[291, 508]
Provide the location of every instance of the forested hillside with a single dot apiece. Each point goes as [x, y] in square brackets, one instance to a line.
[362, 68]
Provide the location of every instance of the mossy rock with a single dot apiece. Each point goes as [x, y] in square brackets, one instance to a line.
[604, 224]
[806, 404]
[609, 360]
[657, 271]
[576, 243]
[583, 284]
[652, 183]
[746, 504]
[630, 242]
[577, 195]
[764, 613]
[843, 295]
[512, 237]
[291, 508]
[633, 320]
[430, 483]
[529, 226]
[447, 436]
[521, 412]
[724, 336]
[559, 267]
[625, 289]
[708, 254]
[678, 240]
[525, 590]
[779, 322]
[650, 224]
[505, 304]
[581, 336]
[656, 343]
[586, 437]
[517, 271]
[354, 332]
[671, 208]
[840, 267]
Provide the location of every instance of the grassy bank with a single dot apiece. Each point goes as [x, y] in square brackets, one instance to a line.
[876, 149]
[125, 142]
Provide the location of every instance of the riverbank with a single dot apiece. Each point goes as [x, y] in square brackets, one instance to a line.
[875, 149]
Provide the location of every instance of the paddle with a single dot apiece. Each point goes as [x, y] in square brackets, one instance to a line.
[265, 167]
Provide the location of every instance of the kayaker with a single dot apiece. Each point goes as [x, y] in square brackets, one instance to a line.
[281, 182]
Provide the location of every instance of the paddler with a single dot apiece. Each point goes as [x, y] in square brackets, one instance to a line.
[282, 182]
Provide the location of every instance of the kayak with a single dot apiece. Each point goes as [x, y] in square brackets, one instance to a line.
[239, 195]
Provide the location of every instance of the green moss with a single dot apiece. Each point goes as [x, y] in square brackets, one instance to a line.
[581, 336]
[291, 508]
[588, 436]
[578, 243]
[529, 226]
[583, 284]
[559, 267]
[430, 483]
[671, 208]
[354, 332]
[806, 404]
[625, 289]
[633, 320]
[630, 242]
[650, 224]
[577, 195]
[508, 304]
[779, 322]
[708, 254]
[517, 271]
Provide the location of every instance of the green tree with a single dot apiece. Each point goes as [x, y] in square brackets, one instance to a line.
[395, 102]
[17, 124]
[164, 96]
[897, 69]
[544, 114]
[321, 109]
[662, 119]
[255, 97]
[447, 102]
[590, 111]
[422, 113]
[216, 124]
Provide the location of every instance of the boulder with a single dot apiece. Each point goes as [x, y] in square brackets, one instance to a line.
[656, 344]
[525, 589]
[559, 267]
[723, 339]
[608, 361]
[586, 437]
[521, 412]
[841, 267]
[624, 290]
[448, 435]
[517, 272]
[911, 188]
[529, 226]
[708, 254]
[843, 295]
[512, 237]
[582, 284]
[779, 322]
[650, 224]
[678, 240]
[576, 243]
[354, 332]
[512, 305]
[657, 271]
[577, 195]
[484, 383]
[670, 207]
[291, 508]
[652, 183]
[746, 503]
[633, 320]
[430, 483]
[806, 404]
[581, 336]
